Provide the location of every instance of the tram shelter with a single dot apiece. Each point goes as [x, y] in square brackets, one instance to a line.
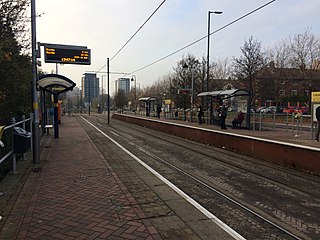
[151, 104]
[217, 97]
[54, 84]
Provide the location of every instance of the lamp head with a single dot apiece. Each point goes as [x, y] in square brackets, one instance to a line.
[216, 12]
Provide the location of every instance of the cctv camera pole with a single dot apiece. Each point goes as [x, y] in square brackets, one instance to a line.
[35, 106]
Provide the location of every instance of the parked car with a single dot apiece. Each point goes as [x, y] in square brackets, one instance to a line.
[259, 109]
[289, 110]
[302, 110]
[271, 109]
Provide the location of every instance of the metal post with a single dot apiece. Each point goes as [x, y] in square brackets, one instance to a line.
[24, 122]
[24, 127]
[89, 100]
[260, 123]
[14, 157]
[31, 120]
[292, 122]
[55, 116]
[101, 105]
[108, 79]
[134, 78]
[35, 106]
[274, 121]
[135, 95]
[191, 109]
[43, 111]
[208, 56]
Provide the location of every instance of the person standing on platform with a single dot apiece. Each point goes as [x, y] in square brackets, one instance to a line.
[318, 120]
[159, 111]
[200, 114]
[223, 115]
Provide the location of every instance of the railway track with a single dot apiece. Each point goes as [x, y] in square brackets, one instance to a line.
[239, 190]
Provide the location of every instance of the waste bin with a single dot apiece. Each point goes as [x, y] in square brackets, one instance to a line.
[21, 140]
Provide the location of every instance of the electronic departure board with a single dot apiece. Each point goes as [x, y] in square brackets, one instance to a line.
[66, 55]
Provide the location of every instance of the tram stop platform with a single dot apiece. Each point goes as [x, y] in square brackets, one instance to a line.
[74, 194]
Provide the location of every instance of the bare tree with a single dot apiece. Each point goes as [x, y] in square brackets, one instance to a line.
[221, 69]
[246, 66]
[280, 54]
[305, 50]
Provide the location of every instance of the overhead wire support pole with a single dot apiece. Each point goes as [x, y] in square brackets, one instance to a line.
[108, 79]
[35, 105]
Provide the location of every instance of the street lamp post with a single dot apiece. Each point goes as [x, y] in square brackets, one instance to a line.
[192, 83]
[208, 55]
[134, 78]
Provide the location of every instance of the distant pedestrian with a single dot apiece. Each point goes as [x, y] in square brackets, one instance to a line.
[176, 114]
[200, 114]
[318, 120]
[223, 115]
[159, 111]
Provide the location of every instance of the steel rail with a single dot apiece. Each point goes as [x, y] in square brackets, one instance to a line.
[209, 187]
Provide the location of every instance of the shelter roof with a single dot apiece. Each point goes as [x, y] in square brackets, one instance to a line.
[225, 93]
[148, 99]
[55, 83]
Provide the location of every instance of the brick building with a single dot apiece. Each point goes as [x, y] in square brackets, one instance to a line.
[282, 86]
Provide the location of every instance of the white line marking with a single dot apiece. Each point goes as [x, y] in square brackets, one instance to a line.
[208, 214]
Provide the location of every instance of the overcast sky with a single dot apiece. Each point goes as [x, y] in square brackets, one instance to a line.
[105, 25]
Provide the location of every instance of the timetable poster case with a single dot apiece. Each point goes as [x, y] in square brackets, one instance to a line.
[315, 102]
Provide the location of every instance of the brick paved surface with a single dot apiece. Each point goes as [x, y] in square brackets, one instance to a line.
[74, 194]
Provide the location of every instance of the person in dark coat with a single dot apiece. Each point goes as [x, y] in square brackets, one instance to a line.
[237, 121]
[200, 114]
[318, 120]
[159, 111]
[222, 116]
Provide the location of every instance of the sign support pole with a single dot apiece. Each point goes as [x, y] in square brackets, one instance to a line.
[35, 105]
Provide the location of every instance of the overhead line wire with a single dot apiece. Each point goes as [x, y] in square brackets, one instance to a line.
[218, 30]
[138, 29]
[134, 34]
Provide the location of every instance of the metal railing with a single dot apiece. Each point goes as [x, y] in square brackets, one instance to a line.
[296, 123]
[8, 150]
